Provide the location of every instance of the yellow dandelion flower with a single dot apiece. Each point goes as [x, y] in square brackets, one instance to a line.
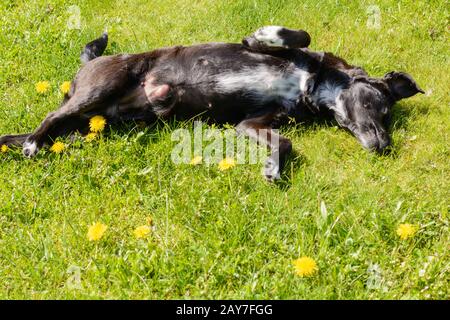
[42, 86]
[96, 231]
[65, 87]
[226, 164]
[91, 136]
[305, 267]
[4, 148]
[406, 231]
[142, 231]
[196, 160]
[97, 123]
[57, 147]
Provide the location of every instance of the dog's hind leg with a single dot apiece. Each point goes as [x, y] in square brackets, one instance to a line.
[260, 129]
[69, 125]
[60, 122]
[96, 88]
[17, 140]
[274, 38]
[14, 139]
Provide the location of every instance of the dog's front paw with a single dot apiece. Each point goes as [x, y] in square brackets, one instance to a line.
[271, 170]
[269, 35]
[30, 149]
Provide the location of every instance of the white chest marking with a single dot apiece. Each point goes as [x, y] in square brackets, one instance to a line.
[265, 83]
[305, 77]
[329, 94]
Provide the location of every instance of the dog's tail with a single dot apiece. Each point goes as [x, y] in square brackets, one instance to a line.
[94, 48]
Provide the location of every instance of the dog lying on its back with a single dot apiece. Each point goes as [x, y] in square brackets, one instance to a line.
[271, 75]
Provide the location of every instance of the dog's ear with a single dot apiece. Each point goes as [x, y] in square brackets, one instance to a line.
[401, 84]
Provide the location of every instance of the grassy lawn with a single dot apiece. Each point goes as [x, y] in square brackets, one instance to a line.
[225, 234]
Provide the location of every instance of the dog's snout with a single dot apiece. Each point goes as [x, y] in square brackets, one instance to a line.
[372, 137]
[383, 138]
[384, 142]
[378, 146]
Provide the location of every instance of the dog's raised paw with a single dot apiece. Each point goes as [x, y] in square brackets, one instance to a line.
[269, 35]
[271, 170]
[30, 149]
[281, 37]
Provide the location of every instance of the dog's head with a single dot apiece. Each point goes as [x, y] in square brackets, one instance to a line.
[364, 107]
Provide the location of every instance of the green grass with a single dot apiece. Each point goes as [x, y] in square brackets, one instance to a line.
[225, 234]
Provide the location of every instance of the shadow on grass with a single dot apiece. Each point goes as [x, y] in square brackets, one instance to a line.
[404, 113]
[402, 117]
[293, 164]
[147, 132]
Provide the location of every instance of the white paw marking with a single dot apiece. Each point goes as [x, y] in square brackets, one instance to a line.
[269, 36]
[271, 170]
[30, 149]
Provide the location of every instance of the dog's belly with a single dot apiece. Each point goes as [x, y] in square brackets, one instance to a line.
[234, 80]
[263, 84]
[135, 99]
[135, 105]
[226, 82]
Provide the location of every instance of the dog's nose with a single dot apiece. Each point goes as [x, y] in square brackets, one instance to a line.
[383, 145]
[382, 138]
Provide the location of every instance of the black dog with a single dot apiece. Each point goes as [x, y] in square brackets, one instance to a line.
[271, 75]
